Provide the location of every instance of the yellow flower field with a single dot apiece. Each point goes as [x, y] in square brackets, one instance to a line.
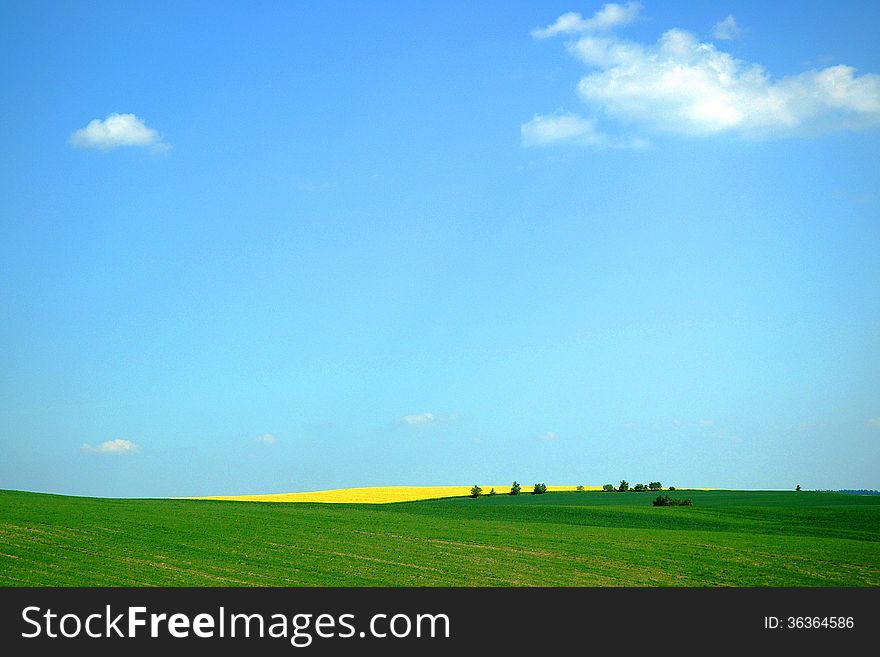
[378, 494]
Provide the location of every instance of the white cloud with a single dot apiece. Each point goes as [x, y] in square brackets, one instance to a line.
[549, 435]
[573, 129]
[313, 186]
[875, 421]
[728, 29]
[681, 85]
[266, 439]
[117, 130]
[566, 127]
[420, 419]
[611, 15]
[116, 447]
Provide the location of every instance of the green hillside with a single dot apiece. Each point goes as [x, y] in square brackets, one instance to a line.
[727, 538]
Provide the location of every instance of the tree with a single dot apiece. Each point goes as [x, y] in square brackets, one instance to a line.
[672, 488]
[640, 487]
[515, 488]
[798, 488]
[623, 485]
[608, 488]
[655, 485]
[539, 489]
[492, 492]
[475, 491]
[580, 489]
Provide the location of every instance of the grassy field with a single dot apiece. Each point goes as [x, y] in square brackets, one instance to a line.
[727, 538]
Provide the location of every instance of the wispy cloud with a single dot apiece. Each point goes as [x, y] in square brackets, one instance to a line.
[419, 419]
[310, 186]
[117, 447]
[609, 16]
[266, 439]
[553, 128]
[570, 128]
[115, 131]
[874, 421]
[549, 435]
[680, 85]
[727, 29]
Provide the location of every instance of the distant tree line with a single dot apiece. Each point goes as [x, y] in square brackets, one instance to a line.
[541, 488]
[624, 486]
[515, 489]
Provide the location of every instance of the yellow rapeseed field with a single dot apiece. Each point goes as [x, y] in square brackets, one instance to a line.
[378, 494]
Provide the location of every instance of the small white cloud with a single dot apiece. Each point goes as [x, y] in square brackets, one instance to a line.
[566, 127]
[549, 435]
[420, 419]
[266, 439]
[707, 423]
[554, 128]
[117, 130]
[875, 421]
[116, 447]
[727, 30]
[610, 16]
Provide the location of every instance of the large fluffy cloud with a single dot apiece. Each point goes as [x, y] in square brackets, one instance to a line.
[682, 85]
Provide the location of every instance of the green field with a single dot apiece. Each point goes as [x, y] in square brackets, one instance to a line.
[727, 538]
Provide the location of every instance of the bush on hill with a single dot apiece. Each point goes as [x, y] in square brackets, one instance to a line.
[665, 500]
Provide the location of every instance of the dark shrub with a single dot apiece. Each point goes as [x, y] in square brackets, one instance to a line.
[665, 500]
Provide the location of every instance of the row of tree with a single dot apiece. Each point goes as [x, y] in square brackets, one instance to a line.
[624, 486]
[515, 489]
[540, 488]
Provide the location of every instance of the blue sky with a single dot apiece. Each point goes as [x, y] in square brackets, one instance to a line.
[290, 246]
